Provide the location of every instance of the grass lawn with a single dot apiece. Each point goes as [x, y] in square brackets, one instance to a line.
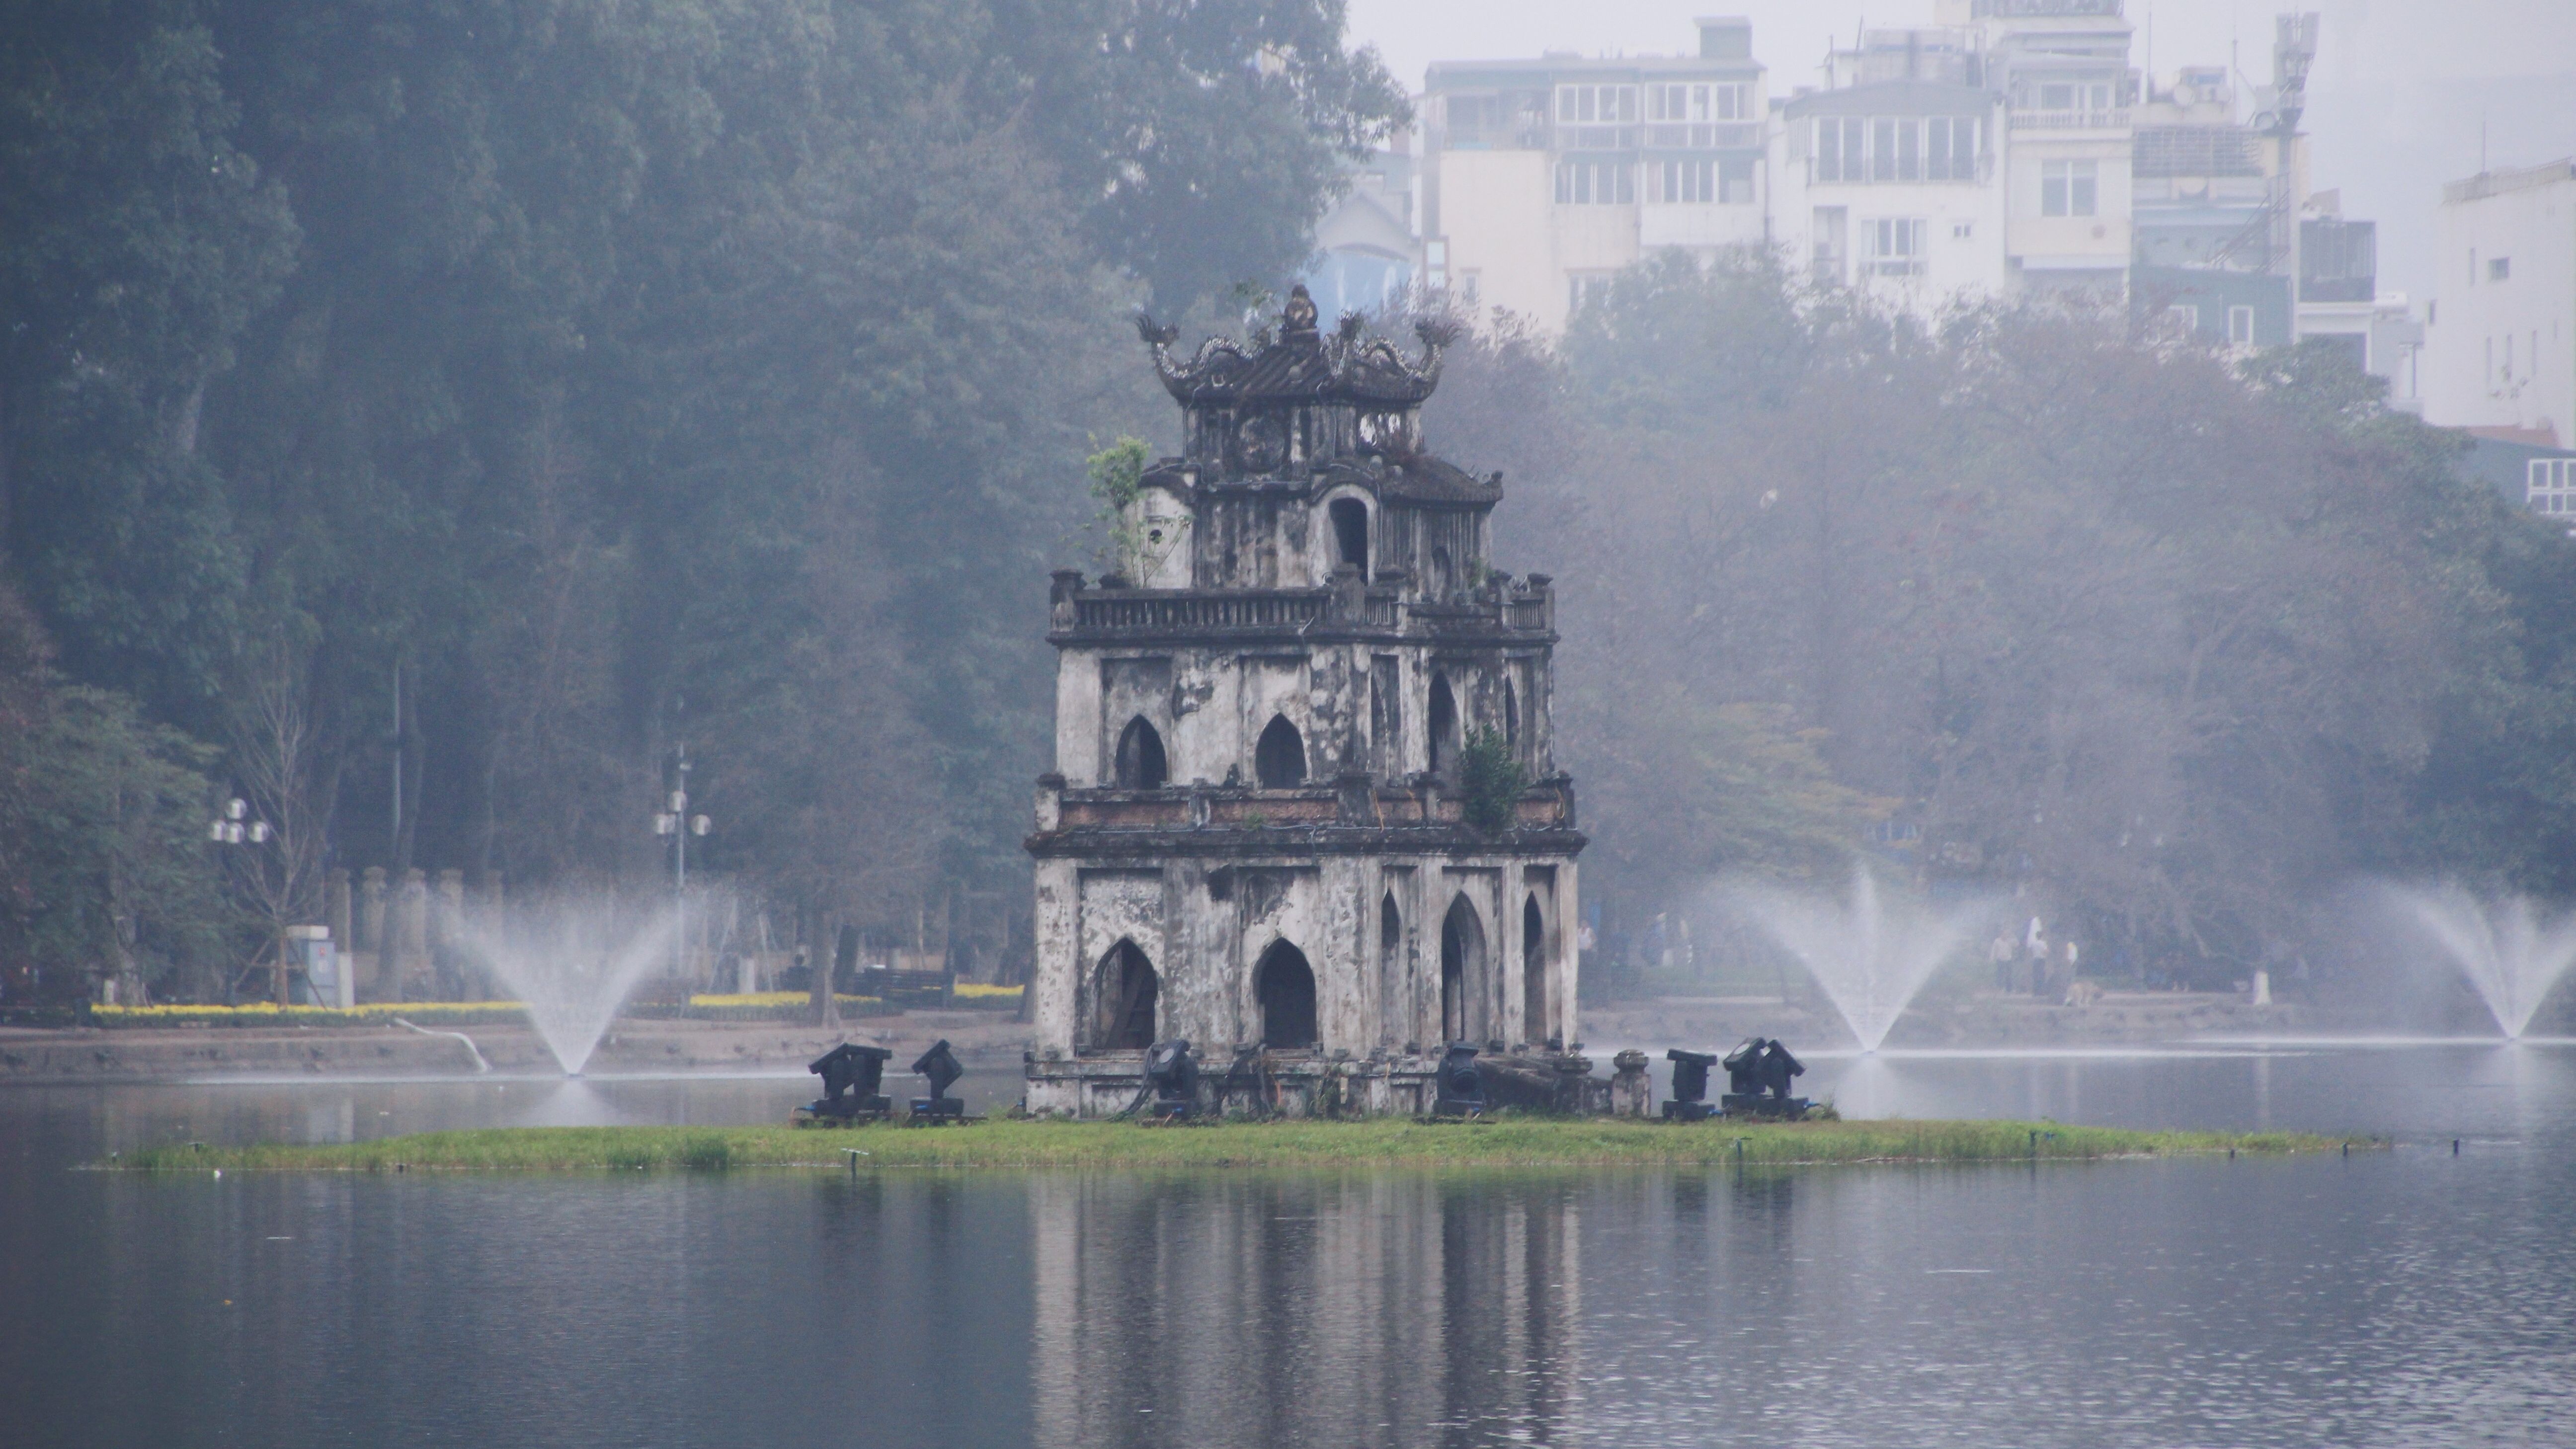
[1507, 1142]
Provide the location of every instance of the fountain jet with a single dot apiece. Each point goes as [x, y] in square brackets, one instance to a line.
[1870, 956]
[571, 962]
[2509, 949]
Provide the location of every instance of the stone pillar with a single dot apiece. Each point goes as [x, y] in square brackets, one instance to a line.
[371, 926]
[1630, 1093]
[335, 893]
[409, 947]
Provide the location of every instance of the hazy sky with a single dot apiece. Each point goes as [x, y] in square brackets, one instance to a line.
[2394, 104]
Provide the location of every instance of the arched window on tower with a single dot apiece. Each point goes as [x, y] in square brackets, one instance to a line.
[1141, 765]
[1351, 533]
[1511, 715]
[1462, 970]
[1285, 986]
[1446, 740]
[1534, 1023]
[1279, 761]
[1124, 1000]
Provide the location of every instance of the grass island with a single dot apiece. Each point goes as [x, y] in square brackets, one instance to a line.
[1299, 1143]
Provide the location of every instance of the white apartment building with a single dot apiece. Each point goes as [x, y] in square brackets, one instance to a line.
[2500, 337]
[2007, 150]
[1541, 179]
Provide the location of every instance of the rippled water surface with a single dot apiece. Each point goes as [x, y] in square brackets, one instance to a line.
[2392, 1298]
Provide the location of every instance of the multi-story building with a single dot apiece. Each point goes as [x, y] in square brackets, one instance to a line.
[1541, 179]
[2008, 150]
[1258, 835]
[2500, 336]
[1890, 178]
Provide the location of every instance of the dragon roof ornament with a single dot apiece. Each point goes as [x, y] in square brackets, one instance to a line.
[1301, 364]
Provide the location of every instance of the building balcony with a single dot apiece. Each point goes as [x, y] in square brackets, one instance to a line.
[1354, 810]
[1104, 615]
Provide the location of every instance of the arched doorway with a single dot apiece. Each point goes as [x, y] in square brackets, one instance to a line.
[1284, 985]
[1533, 970]
[1462, 971]
[1445, 740]
[1351, 532]
[1141, 765]
[1279, 761]
[1124, 1000]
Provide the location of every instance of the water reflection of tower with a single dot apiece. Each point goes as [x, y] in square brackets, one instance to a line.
[1359, 1311]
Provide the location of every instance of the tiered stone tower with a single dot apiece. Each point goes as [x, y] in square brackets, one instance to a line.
[1256, 835]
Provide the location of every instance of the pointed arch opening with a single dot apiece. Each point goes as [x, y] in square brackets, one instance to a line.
[1284, 986]
[1446, 740]
[1534, 972]
[1511, 715]
[1126, 998]
[1351, 533]
[1462, 970]
[1279, 760]
[1141, 763]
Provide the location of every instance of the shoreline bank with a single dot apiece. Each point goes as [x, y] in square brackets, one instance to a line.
[1400, 1142]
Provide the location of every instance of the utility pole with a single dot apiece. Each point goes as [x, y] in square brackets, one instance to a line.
[679, 824]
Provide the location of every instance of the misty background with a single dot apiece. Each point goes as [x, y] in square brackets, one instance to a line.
[420, 419]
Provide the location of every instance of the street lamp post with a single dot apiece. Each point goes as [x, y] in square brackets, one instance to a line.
[679, 825]
[231, 828]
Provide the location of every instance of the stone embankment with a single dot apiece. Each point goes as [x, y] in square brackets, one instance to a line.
[181, 1053]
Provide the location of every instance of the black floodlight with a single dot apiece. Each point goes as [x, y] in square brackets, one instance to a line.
[941, 1067]
[851, 1075]
[1460, 1087]
[1689, 1102]
[1172, 1069]
[1758, 1076]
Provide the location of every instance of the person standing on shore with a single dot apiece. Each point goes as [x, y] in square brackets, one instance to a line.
[2002, 955]
[2036, 940]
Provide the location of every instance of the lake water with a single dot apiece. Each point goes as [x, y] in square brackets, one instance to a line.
[2409, 1298]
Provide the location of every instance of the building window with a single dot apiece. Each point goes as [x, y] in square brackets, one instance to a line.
[2551, 487]
[1896, 148]
[1279, 759]
[2069, 188]
[1895, 246]
[1610, 104]
[1595, 183]
[1141, 763]
[1582, 289]
[2240, 326]
[1950, 148]
[1963, 229]
[2499, 268]
[1691, 102]
[1681, 182]
[2184, 318]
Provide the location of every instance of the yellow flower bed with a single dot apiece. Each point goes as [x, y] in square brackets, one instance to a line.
[764, 998]
[980, 991]
[248, 1011]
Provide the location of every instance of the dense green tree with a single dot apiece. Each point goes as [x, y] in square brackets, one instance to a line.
[105, 871]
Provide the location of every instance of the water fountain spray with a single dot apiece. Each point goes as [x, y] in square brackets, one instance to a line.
[2508, 947]
[571, 961]
[1870, 956]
